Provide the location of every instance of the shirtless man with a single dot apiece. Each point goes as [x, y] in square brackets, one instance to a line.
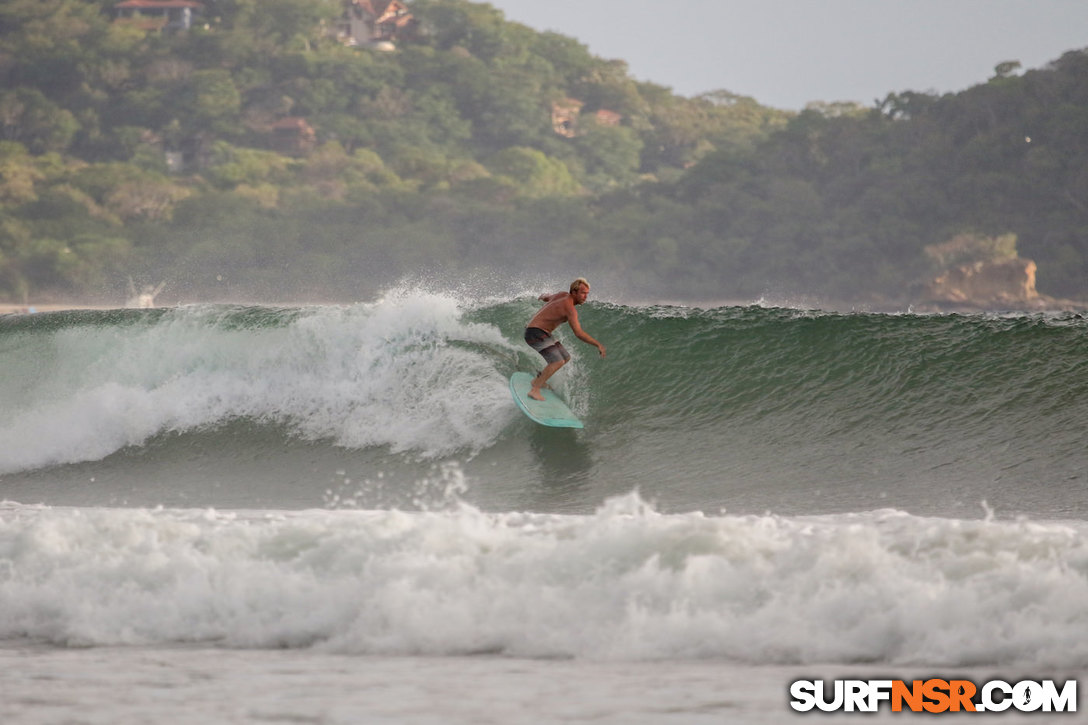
[559, 309]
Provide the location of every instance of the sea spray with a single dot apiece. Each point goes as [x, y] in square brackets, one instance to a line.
[442, 488]
[405, 373]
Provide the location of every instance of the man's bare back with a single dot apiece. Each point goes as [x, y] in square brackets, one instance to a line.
[558, 310]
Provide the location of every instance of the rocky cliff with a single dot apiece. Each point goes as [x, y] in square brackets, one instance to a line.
[1006, 284]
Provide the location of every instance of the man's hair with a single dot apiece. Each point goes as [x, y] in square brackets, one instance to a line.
[578, 283]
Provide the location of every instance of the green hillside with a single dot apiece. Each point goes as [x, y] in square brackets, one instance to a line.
[266, 152]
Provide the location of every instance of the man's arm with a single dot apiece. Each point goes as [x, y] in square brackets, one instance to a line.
[576, 327]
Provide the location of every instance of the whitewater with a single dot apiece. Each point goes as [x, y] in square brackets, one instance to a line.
[337, 514]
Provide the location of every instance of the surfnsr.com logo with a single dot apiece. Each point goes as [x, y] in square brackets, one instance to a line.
[933, 696]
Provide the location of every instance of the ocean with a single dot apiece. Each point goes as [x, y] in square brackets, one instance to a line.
[336, 514]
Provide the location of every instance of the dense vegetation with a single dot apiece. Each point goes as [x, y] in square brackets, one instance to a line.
[441, 158]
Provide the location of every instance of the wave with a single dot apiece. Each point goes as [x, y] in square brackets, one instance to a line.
[82, 386]
[624, 583]
[750, 407]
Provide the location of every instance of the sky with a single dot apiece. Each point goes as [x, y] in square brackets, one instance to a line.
[786, 53]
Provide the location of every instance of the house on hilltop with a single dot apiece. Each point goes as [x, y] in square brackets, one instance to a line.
[376, 23]
[165, 15]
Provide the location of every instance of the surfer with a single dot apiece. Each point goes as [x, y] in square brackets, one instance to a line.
[558, 308]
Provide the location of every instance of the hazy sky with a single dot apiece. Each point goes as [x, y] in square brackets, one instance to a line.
[786, 53]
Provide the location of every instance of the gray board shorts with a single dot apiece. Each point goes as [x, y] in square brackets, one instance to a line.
[550, 349]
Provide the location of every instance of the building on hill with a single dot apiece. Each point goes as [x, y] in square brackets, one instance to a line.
[376, 23]
[567, 112]
[293, 136]
[565, 116]
[606, 117]
[164, 15]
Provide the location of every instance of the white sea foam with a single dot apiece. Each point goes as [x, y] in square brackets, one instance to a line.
[626, 583]
[377, 374]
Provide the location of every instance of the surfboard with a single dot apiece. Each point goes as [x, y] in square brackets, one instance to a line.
[551, 412]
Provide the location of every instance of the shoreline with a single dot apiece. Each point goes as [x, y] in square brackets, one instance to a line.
[183, 684]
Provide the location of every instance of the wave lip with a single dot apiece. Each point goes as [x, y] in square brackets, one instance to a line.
[406, 372]
[626, 583]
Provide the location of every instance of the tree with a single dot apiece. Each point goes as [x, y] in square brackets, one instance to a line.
[1006, 69]
[968, 247]
[535, 174]
[233, 165]
[18, 174]
[284, 21]
[28, 117]
[215, 101]
[610, 154]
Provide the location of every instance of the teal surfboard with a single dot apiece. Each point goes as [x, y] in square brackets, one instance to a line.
[551, 412]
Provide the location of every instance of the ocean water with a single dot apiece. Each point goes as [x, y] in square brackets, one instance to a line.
[337, 514]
